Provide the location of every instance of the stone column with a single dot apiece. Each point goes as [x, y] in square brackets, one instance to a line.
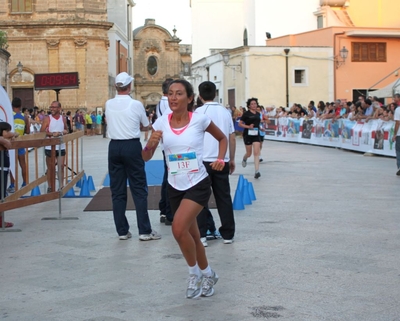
[80, 50]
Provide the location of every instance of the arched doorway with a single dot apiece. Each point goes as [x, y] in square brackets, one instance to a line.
[22, 84]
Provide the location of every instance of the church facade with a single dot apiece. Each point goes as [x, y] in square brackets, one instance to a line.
[49, 36]
[157, 56]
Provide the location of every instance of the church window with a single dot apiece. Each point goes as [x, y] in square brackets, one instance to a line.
[152, 65]
[21, 6]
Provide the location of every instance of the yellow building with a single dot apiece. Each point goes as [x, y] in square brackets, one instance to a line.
[157, 56]
[49, 36]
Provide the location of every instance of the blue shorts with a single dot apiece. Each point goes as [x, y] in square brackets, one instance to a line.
[21, 151]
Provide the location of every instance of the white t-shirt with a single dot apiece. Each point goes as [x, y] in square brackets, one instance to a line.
[271, 113]
[163, 107]
[124, 116]
[189, 141]
[223, 119]
[397, 117]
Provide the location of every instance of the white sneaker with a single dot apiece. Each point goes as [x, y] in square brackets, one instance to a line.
[194, 288]
[228, 241]
[125, 237]
[204, 241]
[207, 287]
[148, 237]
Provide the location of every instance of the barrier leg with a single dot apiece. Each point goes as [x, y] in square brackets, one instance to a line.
[3, 227]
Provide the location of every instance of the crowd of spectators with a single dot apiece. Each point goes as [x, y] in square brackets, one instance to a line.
[362, 109]
[88, 121]
[365, 108]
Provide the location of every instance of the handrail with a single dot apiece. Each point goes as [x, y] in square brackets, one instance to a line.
[37, 141]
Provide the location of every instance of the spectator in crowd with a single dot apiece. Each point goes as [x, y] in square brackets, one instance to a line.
[329, 112]
[94, 122]
[35, 120]
[68, 118]
[311, 104]
[320, 108]
[377, 112]
[392, 107]
[98, 123]
[55, 125]
[311, 112]
[79, 120]
[351, 114]
[396, 132]
[367, 108]
[21, 127]
[281, 112]
[5, 136]
[89, 124]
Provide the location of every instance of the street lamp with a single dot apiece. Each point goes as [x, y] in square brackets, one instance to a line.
[225, 58]
[20, 67]
[343, 54]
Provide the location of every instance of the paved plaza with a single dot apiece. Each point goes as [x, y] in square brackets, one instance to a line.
[320, 242]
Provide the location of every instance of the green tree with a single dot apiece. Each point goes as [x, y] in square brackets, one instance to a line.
[3, 40]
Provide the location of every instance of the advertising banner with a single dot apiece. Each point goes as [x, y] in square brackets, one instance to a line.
[374, 136]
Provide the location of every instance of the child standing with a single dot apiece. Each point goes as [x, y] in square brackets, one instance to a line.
[5, 135]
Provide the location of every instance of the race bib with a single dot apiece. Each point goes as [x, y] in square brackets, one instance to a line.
[183, 163]
[252, 132]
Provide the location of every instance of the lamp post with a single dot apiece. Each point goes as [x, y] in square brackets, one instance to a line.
[20, 67]
[287, 76]
[225, 59]
[343, 54]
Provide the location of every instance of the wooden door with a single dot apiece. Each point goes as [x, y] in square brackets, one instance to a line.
[26, 95]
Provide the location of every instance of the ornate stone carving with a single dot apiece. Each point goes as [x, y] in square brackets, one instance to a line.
[152, 48]
[53, 43]
[80, 42]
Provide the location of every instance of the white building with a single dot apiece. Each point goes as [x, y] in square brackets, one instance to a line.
[234, 23]
[120, 52]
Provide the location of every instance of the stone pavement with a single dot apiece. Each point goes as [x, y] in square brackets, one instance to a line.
[320, 243]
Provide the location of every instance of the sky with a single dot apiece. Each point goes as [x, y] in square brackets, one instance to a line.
[167, 13]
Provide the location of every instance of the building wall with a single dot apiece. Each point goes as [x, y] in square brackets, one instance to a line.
[4, 58]
[261, 72]
[266, 70]
[156, 41]
[60, 36]
[226, 21]
[120, 14]
[117, 13]
[377, 14]
[351, 75]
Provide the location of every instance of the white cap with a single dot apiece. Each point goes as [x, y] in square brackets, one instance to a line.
[123, 79]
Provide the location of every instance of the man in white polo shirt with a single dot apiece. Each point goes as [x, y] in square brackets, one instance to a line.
[125, 117]
[219, 179]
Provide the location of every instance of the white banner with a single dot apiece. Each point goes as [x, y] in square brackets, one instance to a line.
[6, 114]
[374, 136]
